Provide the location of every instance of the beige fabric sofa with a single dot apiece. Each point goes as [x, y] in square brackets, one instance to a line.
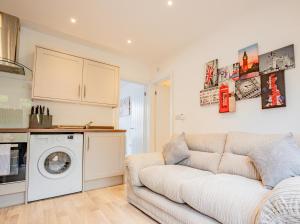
[217, 184]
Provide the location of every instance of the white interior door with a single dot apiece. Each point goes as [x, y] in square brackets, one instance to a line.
[134, 122]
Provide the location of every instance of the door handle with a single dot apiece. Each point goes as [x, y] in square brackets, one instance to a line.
[79, 88]
[84, 91]
[88, 144]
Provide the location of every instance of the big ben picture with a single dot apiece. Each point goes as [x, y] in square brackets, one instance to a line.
[249, 64]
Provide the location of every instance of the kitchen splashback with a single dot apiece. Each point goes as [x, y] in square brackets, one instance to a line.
[15, 101]
[11, 118]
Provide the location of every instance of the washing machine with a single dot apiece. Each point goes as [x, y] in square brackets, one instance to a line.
[55, 165]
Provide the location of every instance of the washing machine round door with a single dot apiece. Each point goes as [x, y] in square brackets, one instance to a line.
[56, 162]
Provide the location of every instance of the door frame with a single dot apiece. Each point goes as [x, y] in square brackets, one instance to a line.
[152, 120]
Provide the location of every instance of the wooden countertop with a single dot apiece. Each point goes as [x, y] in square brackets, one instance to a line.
[13, 130]
[55, 130]
[80, 130]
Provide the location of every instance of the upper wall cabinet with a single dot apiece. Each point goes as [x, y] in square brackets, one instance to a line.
[57, 76]
[100, 83]
[62, 77]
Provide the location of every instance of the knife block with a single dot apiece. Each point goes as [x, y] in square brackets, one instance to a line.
[40, 121]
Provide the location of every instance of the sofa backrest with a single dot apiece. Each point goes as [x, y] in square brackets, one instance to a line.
[238, 145]
[206, 151]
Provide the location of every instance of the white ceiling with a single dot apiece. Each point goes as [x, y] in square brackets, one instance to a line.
[157, 31]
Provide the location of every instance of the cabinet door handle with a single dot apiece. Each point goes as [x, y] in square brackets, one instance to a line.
[79, 88]
[84, 91]
[88, 144]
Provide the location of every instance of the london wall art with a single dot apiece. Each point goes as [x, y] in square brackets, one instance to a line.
[227, 96]
[211, 74]
[273, 90]
[249, 64]
[235, 75]
[224, 73]
[252, 76]
[280, 59]
[248, 88]
[209, 96]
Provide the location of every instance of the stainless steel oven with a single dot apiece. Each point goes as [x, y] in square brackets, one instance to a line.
[13, 157]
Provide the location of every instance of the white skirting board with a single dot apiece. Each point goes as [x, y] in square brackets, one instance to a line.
[12, 199]
[103, 182]
[12, 194]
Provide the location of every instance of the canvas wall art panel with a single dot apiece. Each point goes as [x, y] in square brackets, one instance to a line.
[273, 90]
[224, 73]
[280, 59]
[229, 72]
[249, 62]
[248, 88]
[235, 75]
[209, 96]
[125, 107]
[211, 74]
[227, 96]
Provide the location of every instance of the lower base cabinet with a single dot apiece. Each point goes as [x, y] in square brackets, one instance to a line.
[104, 155]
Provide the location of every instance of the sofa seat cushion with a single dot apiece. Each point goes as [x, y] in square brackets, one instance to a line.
[167, 179]
[230, 199]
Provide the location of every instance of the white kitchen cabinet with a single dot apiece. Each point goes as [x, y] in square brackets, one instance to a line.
[104, 155]
[100, 83]
[63, 77]
[57, 76]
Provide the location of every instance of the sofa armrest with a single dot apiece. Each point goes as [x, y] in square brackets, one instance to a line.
[135, 163]
[282, 205]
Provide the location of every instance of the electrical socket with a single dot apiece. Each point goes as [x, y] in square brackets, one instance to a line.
[180, 117]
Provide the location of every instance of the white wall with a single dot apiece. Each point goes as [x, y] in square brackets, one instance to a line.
[273, 27]
[65, 113]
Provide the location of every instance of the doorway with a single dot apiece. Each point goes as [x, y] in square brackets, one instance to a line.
[161, 113]
[132, 116]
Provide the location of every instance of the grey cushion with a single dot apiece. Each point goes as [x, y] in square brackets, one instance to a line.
[277, 161]
[176, 150]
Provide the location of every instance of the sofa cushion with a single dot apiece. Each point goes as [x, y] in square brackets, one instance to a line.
[235, 159]
[167, 179]
[226, 198]
[176, 150]
[277, 161]
[206, 151]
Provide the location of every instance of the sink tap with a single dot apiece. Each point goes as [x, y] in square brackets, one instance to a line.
[88, 125]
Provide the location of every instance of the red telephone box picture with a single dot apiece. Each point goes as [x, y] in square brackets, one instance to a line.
[227, 96]
[224, 98]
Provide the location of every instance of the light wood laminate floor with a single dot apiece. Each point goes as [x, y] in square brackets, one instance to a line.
[101, 206]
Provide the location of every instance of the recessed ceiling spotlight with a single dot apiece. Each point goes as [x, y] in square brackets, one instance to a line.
[170, 3]
[129, 41]
[73, 20]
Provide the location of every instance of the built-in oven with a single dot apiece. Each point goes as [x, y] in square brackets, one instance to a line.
[13, 157]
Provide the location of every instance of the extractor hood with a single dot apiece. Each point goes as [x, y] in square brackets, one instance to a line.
[9, 44]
